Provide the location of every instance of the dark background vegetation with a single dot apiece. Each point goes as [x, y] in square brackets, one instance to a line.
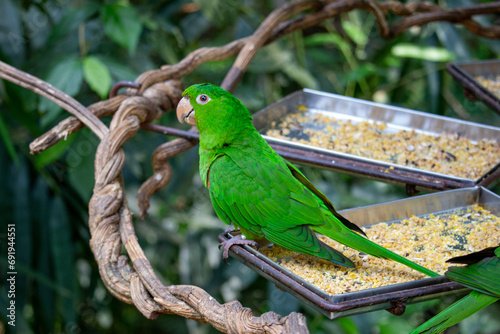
[82, 47]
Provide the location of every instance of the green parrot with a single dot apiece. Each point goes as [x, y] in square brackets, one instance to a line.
[261, 193]
[482, 274]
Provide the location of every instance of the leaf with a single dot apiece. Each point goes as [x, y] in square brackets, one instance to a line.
[53, 153]
[355, 33]
[122, 24]
[97, 75]
[80, 162]
[348, 325]
[430, 53]
[220, 12]
[300, 75]
[71, 20]
[118, 70]
[66, 76]
[361, 72]
[325, 38]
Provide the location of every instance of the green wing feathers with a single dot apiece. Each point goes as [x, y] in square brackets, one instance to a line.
[455, 313]
[367, 246]
[303, 240]
[483, 276]
[302, 179]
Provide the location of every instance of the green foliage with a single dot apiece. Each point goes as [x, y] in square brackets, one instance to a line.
[429, 53]
[122, 24]
[82, 47]
[97, 75]
[67, 76]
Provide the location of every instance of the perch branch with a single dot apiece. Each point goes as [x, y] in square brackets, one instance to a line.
[62, 99]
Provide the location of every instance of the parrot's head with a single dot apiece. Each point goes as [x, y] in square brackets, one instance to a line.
[212, 109]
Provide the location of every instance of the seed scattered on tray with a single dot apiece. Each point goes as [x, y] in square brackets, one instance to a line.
[490, 83]
[429, 241]
[449, 154]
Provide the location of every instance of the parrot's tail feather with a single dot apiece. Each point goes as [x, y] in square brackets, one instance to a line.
[367, 246]
[332, 255]
[455, 313]
[302, 239]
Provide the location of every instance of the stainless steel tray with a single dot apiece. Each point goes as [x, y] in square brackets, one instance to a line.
[393, 297]
[465, 73]
[341, 107]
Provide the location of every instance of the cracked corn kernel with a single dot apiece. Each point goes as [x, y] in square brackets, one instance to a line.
[445, 153]
[428, 241]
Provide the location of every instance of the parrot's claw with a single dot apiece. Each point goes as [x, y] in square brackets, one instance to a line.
[236, 240]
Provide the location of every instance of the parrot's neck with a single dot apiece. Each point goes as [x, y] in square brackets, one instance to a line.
[227, 139]
[216, 144]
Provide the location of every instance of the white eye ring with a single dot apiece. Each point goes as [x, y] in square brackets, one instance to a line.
[202, 99]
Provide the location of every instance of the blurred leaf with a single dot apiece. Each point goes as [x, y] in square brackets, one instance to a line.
[325, 38]
[80, 162]
[118, 70]
[4, 134]
[429, 53]
[220, 12]
[300, 75]
[270, 59]
[348, 325]
[66, 76]
[97, 75]
[53, 153]
[361, 72]
[355, 33]
[122, 24]
[453, 41]
[12, 41]
[19, 102]
[71, 20]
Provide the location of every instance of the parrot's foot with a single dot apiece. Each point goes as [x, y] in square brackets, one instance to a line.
[236, 240]
[230, 229]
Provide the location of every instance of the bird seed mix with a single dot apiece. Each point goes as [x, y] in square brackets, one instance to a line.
[447, 153]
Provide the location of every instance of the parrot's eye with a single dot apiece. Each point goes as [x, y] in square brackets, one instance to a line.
[202, 98]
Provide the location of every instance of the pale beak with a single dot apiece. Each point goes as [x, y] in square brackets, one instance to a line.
[185, 112]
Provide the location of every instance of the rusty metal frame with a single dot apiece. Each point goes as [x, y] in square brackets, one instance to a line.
[473, 89]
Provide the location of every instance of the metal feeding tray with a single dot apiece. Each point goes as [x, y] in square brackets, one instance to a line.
[395, 119]
[467, 72]
[392, 297]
